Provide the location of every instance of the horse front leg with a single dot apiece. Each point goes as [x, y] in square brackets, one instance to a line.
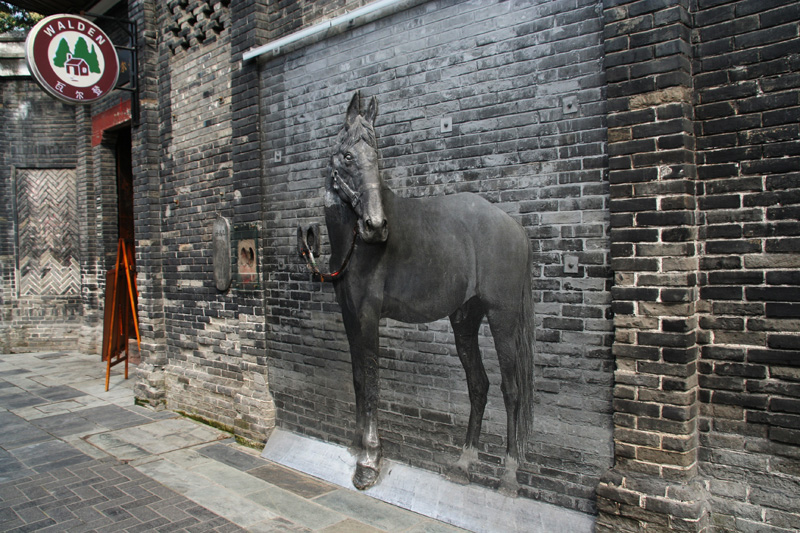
[362, 332]
[368, 464]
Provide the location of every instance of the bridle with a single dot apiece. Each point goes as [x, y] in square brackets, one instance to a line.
[349, 195]
[354, 199]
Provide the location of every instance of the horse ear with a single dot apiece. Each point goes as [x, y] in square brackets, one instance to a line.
[354, 109]
[372, 110]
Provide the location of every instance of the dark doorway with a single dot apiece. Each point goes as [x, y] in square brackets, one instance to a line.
[125, 186]
[119, 324]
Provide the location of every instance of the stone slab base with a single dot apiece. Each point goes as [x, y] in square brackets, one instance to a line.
[468, 506]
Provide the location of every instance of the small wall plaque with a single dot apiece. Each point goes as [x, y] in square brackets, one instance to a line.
[246, 249]
[221, 253]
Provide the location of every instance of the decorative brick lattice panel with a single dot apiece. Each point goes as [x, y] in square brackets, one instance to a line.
[196, 20]
[48, 232]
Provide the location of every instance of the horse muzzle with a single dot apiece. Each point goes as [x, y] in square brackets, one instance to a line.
[373, 230]
[372, 224]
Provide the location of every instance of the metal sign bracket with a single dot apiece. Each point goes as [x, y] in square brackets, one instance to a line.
[128, 80]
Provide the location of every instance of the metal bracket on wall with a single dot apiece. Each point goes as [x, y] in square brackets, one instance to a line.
[128, 61]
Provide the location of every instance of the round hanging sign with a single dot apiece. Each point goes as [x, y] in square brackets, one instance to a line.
[72, 59]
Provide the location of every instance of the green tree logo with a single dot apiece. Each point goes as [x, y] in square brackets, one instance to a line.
[94, 64]
[81, 52]
[61, 53]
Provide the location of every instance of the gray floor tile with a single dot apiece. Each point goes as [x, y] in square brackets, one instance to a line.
[49, 473]
[11, 469]
[113, 416]
[49, 356]
[63, 392]
[11, 438]
[14, 372]
[351, 526]
[368, 510]
[49, 455]
[232, 457]
[277, 525]
[296, 509]
[63, 463]
[63, 425]
[22, 399]
[285, 478]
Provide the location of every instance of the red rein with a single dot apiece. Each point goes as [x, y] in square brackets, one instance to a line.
[311, 263]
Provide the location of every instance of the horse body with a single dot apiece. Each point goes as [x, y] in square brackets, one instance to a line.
[419, 260]
[420, 283]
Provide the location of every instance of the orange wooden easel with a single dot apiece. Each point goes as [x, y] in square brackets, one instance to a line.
[118, 321]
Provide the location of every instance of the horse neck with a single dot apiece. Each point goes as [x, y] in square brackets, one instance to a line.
[340, 220]
[389, 199]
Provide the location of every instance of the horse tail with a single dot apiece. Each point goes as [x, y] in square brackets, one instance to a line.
[526, 349]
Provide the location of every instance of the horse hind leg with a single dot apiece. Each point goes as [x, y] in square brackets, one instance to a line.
[466, 322]
[513, 342]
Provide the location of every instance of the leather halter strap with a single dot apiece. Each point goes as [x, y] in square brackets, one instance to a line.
[311, 262]
[349, 195]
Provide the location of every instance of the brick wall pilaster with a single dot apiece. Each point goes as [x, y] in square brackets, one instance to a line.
[150, 385]
[91, 333]
[255, 409]
[652, 172]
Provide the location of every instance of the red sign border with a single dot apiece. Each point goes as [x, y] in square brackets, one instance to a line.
[36, 45]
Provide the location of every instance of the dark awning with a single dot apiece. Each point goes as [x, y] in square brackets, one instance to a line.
[51, 7]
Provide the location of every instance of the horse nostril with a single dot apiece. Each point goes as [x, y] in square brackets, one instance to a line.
[375, 225]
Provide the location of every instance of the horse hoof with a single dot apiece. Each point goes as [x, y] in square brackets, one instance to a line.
[456, 474]
[509, 487]
[364, 477]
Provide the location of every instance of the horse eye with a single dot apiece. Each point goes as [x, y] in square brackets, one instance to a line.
[348, 157]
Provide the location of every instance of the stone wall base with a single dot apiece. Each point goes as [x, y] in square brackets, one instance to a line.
[633, 502]
[5, 339]
[90, 338]
[243, 407]
[39, 338]
[150, 388]
[255, 418]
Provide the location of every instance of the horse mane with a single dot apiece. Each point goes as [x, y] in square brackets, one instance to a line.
[359, 130]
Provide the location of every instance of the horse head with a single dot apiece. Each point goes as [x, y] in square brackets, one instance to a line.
[354, 175]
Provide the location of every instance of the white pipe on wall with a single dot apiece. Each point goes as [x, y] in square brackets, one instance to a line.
[348, 21]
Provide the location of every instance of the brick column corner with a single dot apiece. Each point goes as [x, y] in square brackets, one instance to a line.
[150, 386]
[653, 485]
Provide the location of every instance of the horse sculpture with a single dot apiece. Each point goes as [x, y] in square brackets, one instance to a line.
[419, 260]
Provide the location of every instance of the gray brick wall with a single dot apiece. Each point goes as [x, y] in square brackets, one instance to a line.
[203, 349]
[747, 82]
[284, 18]
[200, 324]
[702, 145]
[524, 87]
[36, 132]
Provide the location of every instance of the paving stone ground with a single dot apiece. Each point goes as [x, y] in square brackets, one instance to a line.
[76, 458]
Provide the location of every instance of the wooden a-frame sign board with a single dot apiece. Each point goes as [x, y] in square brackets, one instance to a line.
[118, 316]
